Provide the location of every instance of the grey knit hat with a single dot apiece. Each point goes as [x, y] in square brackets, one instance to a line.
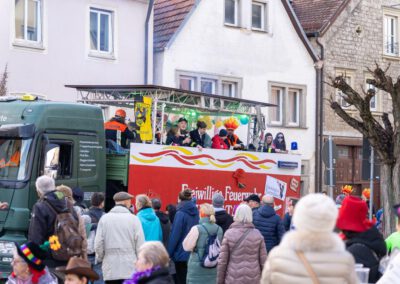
[218, 200]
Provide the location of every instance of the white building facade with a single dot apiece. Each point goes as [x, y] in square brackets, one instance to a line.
[47, 44]
[248, 49]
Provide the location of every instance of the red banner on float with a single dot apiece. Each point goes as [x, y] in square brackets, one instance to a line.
[164, 171]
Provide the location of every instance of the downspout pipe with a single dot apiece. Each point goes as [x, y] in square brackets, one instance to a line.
[146, 41]
[320, 105]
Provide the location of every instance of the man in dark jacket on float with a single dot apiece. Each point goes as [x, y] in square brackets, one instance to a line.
[186, 217]
[224, 220]
[268, 223]
[42, 222]
[164, 220]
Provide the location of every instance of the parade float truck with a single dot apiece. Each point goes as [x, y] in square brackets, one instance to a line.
[67, 142]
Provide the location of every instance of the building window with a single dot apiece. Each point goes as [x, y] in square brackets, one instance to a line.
[276, 99]
[348, 77]
[101, 36]
[229, 89]
[232, 12]
[209, 84]
[373, 103]
[293, 111]
[291, 105]
[187, 83]
[258, 16]
[28, 20]
[391, 44]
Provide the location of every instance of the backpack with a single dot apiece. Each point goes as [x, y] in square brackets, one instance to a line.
[66, 228]
[211, 250]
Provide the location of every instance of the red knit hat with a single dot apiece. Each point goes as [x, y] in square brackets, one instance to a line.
[353, 215]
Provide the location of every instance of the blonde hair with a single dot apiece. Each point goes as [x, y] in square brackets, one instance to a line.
[67, 191]
[243, 214]
[208, 209]
[142, 201]
[155, 253]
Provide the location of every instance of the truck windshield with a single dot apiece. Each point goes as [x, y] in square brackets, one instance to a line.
[13, 158]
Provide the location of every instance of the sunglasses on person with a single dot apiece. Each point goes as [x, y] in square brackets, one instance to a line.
[280, 137]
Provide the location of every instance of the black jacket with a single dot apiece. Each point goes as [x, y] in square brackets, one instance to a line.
[224, 220]
[160, 276]
[287, 221]
[368, 248]
[165, 226]
[196, 138]
[95, 214]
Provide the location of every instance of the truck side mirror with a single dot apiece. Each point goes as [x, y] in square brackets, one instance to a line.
[51, 160]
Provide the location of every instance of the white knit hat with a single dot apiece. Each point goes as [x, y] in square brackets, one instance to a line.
[315, 213]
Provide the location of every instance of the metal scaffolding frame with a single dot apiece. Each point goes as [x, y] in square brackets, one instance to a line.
[165, 98]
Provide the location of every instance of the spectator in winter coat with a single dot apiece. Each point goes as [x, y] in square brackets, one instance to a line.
[150, 222]
[41, 226]
[287, 220]
[362, 239]
[164, 220]
[199, 136]
[218, 141]
[280, 143]
[253, 200]
[28, 266]
[196, 242]
[152, 265]
[171, 211]
[392, 272]
[186, 217]
[243, 250]
[268, 223]
[224, 220]
[313, 243]
[118, 239]
[78, 196]
[67, 191]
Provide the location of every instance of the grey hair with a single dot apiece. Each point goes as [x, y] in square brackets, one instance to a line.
[142, 200]
[268, 200]
[155, 253]
[243, 214]
[45, 184]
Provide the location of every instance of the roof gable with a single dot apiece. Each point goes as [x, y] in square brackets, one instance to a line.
[317, 15]
[169, 15]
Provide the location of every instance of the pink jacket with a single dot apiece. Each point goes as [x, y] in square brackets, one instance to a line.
[245, 263]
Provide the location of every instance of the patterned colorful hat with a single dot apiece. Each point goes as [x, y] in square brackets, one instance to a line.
[32, 254]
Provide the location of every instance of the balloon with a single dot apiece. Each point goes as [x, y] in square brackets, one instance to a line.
[244, 120]
[207, 121]
[218, 124]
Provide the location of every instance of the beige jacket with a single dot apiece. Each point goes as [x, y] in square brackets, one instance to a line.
[118, 239]
[325, 252]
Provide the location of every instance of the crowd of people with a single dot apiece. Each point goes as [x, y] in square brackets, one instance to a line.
[119, 132]
[317, 241]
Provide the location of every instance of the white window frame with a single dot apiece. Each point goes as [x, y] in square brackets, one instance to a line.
[339, 95]
[394, 36]
[25, 41]
[376, 99]
[236, 14]
[234, 88]
[263, 15]
[111, 16]
[297, 94]
[217, 81]
[190, 78]
[213, 84]
[280, 106]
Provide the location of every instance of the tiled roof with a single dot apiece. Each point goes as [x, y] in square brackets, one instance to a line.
[168, 17]
[317, 15]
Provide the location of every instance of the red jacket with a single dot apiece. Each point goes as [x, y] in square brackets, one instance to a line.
[219, 143]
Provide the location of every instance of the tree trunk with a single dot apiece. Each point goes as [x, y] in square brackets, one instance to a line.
[390, 194]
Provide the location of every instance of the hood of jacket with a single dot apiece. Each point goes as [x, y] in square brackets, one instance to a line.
[266, 211]
[164, 219]
[222, 215]
[189, 207]
[372, 239]
[147, 214]
[57, 200]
